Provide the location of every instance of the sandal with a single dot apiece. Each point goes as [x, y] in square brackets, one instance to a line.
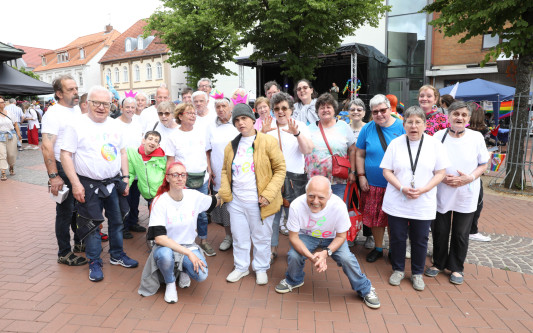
[273, 257]
[283, 229]
[4, 176]
[12, 170]
[72, 260]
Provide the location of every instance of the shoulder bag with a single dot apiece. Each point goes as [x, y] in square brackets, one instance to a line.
[340, 166]
[294, 184]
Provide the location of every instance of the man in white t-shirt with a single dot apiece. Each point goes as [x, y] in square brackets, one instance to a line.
[149, 115]
[204, 116]
[54, 122]
[205, 85]
[94, 156]
[17, 113]
[320, 219]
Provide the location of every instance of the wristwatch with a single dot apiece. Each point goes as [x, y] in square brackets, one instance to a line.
[329, 251]
[52, 175]
[126, 176]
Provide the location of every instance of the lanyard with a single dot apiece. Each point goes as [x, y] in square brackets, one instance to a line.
[413, 166]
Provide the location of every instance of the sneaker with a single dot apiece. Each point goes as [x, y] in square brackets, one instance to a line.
[284, 287]
[79, 248]
[457, 279]
[208, 249]
[70, 259]
[36, 147]
[351, 243]
[432, 271]
[95, 270]
[369, 242]
[418, 282]
[104, 237]
[371, 299]
[236, 275]
[374, 255]
[137, 228]
[27, 147]
[171, 294]
[396, 278]
[479, 238]
[226, 243]
[184, 280]
[124, 261]
[126, 234]
[261, 278]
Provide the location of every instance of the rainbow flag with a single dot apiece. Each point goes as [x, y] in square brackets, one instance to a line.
[496, 161]
[506, 109]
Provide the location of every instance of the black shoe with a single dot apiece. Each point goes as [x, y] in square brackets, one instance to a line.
[126, 234]
[374, 255]
[137, 228]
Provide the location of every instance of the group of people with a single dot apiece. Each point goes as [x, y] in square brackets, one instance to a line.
[207, 156]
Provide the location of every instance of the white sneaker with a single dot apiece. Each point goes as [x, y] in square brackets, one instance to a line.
[36, 147]
[171, 294]
[226, 243]
[369, 242]
[261, 278]
[184, 281]
[236, 275]
[479, 238]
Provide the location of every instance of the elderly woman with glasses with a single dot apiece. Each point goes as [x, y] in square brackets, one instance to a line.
[304, 109]
[413, 165]
[166, 125]
[371, 146]
[173, 227]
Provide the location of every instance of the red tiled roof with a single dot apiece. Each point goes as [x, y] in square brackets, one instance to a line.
[117, 51]
[91, 44]
[33, 55]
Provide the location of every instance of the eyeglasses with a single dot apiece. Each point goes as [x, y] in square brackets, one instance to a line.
[382, 111]
[284, 109]
[190, 113]
[302, 88]
[357, 109]
[166, 114]
[175, 175]
[205, 86]
[97, 104]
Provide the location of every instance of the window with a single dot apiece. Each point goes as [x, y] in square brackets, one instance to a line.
[62, 57]
[126, 77]
[128, 45]
[489, 41]
[137, 73]
[82, 54]
[140, 43]
[159, 69]
[108, 74]
[117, 75]
[43, 61]
[80, 79]
[148, 71]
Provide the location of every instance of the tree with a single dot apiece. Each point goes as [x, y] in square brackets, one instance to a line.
[27, 72]
[512, 21]
[198, 36]
[297, 31]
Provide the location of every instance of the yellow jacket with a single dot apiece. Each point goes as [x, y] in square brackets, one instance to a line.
[269, 165]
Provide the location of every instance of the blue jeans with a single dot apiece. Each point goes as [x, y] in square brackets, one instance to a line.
[65, 218]
[343, 257]
[93, 245]
[338, 190]
[418, 231]
[164, 259]
[133, 201]
[201, 224]
[275, 226]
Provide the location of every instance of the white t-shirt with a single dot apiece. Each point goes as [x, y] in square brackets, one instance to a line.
[179, 217]
[148, 118]
[189, 149]
[165, 135]
[202, 123]
[294, 159]
[466, 154]
[133, 133]
[95, 146]
[324, 224]
[6, 124]
[16, 112]
[34, 122]
[211, 106]
[243, 171]
[218, 138]
[55, 120]
[432, 158]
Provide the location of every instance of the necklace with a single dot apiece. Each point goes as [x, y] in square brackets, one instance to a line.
[413, 165]
[457, 133]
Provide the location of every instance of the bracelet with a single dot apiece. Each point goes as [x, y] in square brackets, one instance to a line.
[296, 135]
[361, 174]
[401, 189]
[127, 176]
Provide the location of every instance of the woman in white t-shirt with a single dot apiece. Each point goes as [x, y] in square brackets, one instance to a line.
[8, 141]
[457, 195]
[295, 142]
[173, 227]
[130, 123]
[30, 115]
[413, 165]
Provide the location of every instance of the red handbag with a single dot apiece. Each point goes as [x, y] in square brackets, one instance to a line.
[356, 218]
[340, 166]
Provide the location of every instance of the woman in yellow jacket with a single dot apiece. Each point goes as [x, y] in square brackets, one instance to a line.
[252, 175]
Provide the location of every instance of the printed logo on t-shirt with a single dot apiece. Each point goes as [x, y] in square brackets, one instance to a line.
[177, 216]
[313, 228]
[109, 152]
[242, 164]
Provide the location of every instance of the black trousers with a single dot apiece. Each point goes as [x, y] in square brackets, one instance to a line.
[418, 232]
[477, 213]
[452, 257]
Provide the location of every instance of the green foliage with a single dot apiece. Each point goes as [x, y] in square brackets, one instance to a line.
[197, 35]
[512, 20]
[29, 73]
[297, 31]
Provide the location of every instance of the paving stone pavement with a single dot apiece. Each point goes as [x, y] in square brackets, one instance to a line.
[39, 295]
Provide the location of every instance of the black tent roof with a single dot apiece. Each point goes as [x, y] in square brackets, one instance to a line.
[8, 52]
[13, 82]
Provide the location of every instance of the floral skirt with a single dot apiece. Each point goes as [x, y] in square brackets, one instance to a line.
[370, 207]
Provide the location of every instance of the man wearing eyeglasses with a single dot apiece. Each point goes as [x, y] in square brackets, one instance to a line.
[54, 122]
[94, 157]
[205, 85]
[149, 116]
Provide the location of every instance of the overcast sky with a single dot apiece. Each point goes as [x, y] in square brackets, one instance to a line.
[55, 23]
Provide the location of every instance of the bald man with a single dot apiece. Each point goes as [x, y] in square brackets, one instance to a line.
[320, 219]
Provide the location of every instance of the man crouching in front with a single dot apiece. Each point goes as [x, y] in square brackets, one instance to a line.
[319, 219]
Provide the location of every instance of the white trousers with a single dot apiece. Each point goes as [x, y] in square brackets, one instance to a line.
[247, 229]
